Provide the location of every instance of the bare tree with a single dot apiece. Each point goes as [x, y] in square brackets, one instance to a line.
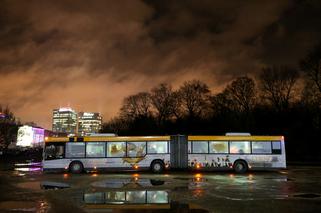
[115, 125]
[194, 96]
[8, 127]
[311, 65]
[241, 93]
[164, 101]
[221, 103]
[277, 84]
[136, 106]
[310, 95]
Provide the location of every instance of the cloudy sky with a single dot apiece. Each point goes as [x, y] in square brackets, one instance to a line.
[91, 54]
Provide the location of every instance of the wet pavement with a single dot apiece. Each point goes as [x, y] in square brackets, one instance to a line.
[24, 188]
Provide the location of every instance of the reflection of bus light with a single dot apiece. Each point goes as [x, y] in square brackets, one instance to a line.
[136, 175]
[66, 175]
[94, 175]
[198, 175]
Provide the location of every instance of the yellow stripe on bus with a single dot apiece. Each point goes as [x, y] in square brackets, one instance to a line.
[110, 138]
[235, 138]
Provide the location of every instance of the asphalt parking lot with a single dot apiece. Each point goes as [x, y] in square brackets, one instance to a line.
[24, 188]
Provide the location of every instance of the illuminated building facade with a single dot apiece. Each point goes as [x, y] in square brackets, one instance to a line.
[89, 122]
[29, 136]
[64, 120]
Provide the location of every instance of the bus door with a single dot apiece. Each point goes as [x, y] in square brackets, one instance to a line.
[179, 152]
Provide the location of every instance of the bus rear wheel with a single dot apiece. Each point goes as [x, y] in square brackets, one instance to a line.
[76, 167]
[240, 167]
[157, 166]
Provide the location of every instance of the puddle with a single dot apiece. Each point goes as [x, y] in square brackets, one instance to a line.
[136, 200]
[128, 183]
[27, 206]
[307, 195]
[34, 185]
[280, 179]
[127, 197]
[28, 164]
[181, 178]
[28, 167]
[53, 185]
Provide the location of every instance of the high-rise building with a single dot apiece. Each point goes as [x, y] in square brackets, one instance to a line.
[89, 122]
[64, 120]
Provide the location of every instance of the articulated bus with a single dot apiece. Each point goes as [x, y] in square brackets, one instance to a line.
[158, 153]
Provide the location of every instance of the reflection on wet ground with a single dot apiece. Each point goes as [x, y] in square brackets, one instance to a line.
[27, 187]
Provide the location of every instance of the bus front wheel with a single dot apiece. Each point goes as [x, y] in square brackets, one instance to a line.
[76, 167]
[157, 166]
[240, 166]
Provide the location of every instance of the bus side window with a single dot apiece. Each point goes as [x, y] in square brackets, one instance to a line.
[54, 152]
[276, 147]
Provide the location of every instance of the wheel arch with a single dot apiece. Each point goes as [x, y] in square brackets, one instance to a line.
[75, 161]
[243, 161]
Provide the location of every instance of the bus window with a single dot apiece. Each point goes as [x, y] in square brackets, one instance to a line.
[136, 149]
[200, 146]
[95, 149]
[261, 147]
[240, 147]
[157, 197]
[54, 152]
[75, 150]
[136, 197]
[276, 147]
[116, 149]
[157, 147]
[94, 198]
[115, 197]
[218, 147]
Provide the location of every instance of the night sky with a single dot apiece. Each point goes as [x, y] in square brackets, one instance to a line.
[91, 54]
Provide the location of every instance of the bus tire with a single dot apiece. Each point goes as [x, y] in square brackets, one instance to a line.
[240, 166]
[76, 167]
[157, 166]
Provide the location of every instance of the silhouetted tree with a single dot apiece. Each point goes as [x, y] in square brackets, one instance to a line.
[8, 127]
[221, 103]
[310, 95]
[241, 93]
[277, 85]
[136, 106]
[115, 125]
[311, 65]
[164, 101]
[194, 96]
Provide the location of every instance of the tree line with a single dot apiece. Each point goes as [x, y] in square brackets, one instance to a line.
[281, 100]
[8, 127]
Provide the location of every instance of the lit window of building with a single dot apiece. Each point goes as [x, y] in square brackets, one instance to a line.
[89, 122]
[64, 120]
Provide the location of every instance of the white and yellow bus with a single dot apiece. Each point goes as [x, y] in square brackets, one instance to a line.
[230, 152]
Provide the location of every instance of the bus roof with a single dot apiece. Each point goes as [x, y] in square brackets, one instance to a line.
[162, 138]
[107, 138]
[235, 138]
